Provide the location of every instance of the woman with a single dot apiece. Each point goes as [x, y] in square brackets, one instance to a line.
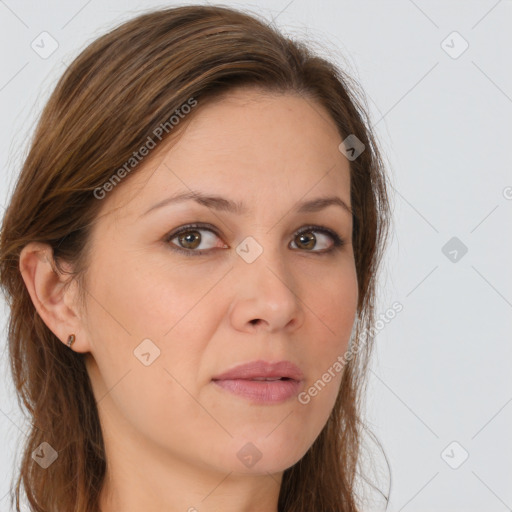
[231, 380]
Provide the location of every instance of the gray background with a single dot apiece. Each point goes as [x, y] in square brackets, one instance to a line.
[441, 372]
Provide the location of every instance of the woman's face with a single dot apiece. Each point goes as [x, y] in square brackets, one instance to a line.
[166, 313]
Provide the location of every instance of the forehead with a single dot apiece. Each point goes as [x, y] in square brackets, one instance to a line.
[249, 145]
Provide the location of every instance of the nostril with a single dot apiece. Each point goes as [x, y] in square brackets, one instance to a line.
[255, 321]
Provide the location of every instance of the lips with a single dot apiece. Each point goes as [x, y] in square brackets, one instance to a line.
[262, 382]
[262, 370]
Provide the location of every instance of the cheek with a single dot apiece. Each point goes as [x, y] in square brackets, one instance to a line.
[333, 311]
[157, 399]
[333, 307]
[149, 298]
[141, 314]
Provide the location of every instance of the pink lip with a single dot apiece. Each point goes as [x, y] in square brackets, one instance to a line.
[240, 381]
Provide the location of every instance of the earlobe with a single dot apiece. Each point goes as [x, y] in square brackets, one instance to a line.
[71, 340]
[48, 290]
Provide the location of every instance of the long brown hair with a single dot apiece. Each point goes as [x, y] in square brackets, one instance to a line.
[104, 107]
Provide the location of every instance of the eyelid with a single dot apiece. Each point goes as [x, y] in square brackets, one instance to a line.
[191, 227]
[338, 241]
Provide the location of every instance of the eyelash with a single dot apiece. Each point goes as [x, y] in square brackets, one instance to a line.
[338, 242]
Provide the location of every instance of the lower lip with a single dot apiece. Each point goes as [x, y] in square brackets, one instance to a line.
[261, 391]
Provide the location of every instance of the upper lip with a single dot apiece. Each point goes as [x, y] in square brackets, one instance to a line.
[262, 369]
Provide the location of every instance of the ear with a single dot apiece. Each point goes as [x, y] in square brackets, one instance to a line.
[54, 301]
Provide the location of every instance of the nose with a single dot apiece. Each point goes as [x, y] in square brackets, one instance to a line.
[266, 296]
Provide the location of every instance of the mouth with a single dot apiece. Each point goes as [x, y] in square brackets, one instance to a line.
[262, 382]
[270, 378]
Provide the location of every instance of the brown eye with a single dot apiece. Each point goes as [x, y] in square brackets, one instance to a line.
[194, 240]
[189, 239]
[307, 240]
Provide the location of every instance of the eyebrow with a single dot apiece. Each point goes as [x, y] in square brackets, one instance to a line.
[226, 205]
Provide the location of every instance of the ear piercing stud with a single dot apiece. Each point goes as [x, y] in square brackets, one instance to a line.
[70, 341]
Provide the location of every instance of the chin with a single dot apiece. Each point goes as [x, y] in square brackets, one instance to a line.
[264, 454]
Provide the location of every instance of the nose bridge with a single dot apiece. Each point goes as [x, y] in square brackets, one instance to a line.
[265, 256]
[265, 282]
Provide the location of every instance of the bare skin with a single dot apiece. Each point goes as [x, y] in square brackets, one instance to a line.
[173, 437]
